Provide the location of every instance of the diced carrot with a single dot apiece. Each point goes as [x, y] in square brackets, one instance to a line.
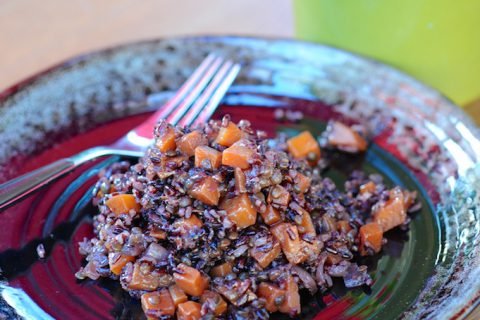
[264, 258]
[157, 304]
[117, 261]
[345, 138]
[302, 182]
[240, 210]
[272, 294]
[238, 155]
[177, 294]
[214, 302]
[222, 270]
[123, 203]
[371, 235]
[189, 142]
[392, 213]
[206, 191]
[368, 187]
[291, 304]
[306, 226]
[228, 135]
[166, 140]
[240, 181]
[206, 154]
[278, 195]
[271, 215]
[292, 245]
[304, 145]
[189, 310]
[158, 233]
[143, 278]
[343, 226]
[190, 280]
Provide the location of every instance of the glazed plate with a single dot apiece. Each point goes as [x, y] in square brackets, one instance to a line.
[420, 141]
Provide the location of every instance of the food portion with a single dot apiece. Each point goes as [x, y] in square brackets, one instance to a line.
[219, 222]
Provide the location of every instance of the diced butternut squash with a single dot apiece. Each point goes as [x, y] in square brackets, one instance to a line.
[392, 213]
[208, 158]
[271, 215]
[273, 295]
[117, 261]
[368, 187]
[306, 226]
[158, 233]
[291, 304]
[206, 191]
[371, 236]
[190, 280]
[292, 245]
[189, 142]
[186, 225]
[238, 155]
[177, 294]
[264, 258]
[214, 302]
[166, 140]
[240, 181]
[302, 182]
[189, 310]
[123, 203]
[345, 138]
[278, 195]
[343, 226]
[158, 303]
[143, 278]
[222, 270]
[240, 210]
[304, 145]
[228, 135]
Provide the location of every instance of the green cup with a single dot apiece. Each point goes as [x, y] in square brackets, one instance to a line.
[437, 41]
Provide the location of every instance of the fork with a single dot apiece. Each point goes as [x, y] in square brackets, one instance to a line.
[193, 103]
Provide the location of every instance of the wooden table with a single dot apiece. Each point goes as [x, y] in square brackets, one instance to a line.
[37, 34]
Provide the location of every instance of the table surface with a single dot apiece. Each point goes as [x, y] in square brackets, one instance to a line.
[37, 34]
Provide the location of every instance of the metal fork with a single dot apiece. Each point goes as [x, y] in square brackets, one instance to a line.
[194, 103]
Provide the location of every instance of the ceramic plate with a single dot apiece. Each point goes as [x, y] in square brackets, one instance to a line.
[420, 141]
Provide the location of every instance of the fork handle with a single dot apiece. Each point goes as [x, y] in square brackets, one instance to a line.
[20, 187]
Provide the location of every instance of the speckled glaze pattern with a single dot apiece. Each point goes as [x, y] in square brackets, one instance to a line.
[434, 138]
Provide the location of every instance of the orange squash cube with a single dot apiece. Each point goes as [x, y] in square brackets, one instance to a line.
[392, 213]
[221, 270]
[166, 140]
[189, 142]
[189, 310]
[143, 278]
[190, 280]
[302, 145]
[292, 245]
[240, 210]
[291, 304]
[228, 135]
[213, 156]
[117, 261]
[238, 155]
[371, 236]
[264, 258]
[345, 138]
[177, 294]
[306, 226]
[240, 181]
[206, 191]
[278, 195]
[271, 215]
[302, 182]
[214, 302]
[123, 203]
[368, 187]
[271, 294]
[158, 303]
